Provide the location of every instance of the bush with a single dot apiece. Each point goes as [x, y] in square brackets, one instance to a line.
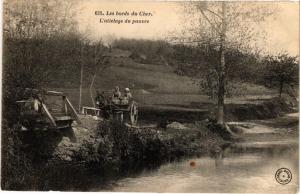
[16, 168]
[117, 145]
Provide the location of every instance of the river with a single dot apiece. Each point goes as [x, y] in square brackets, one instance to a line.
[248, 165]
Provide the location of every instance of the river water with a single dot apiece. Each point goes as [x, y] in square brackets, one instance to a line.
[246, 166]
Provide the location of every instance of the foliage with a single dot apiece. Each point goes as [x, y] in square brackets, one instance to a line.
[200, 62]
[240, 19]
[222, 25]
[117, 147]
[123, 145]
[16, 168]
[42, 47]
[27, 19]
[281, 71]
[32, 30]
[156, 52]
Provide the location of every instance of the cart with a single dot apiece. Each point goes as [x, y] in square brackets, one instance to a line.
[46, 110]
[120, 109]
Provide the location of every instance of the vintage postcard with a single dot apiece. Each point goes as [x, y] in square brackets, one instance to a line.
[150, 96]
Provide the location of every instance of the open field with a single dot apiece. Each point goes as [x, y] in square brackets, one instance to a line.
[145, 79]
[161, 107]
[125, 72]
[159, 91]
[194, 101]
[155, 86]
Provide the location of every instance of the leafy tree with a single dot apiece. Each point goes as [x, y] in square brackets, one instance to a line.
[32, 52]
[156, 52]
[281, 71]
[222, 26]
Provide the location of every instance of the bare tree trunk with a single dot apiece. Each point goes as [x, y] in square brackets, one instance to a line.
[99, 67]
[81, 79]
[221, 89]
[280, 89]
[94, 77]
[93, 81]
[91, 89]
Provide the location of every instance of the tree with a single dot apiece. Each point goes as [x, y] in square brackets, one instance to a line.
[221, 26]
[25, 19]
[30, 49]
[100, 64]
[281, 71]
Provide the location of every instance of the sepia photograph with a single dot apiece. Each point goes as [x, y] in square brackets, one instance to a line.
[150, 96]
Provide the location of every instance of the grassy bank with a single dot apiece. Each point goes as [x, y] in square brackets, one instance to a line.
[98, 152]
[94, 153]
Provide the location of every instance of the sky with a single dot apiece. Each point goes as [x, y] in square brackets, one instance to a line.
[282, 32]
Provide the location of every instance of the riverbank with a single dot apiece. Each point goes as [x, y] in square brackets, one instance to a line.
[119, 150]
[245, 166]
[103, 151]
[236, 109]
[107, 150]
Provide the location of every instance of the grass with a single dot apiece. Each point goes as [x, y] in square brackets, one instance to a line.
[167, 99]
[157, 86]
[145, 76]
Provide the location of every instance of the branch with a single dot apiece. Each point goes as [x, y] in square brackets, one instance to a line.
[207, 41]
[207, 19]
[216, 72]
[93, 80]
[214, 13]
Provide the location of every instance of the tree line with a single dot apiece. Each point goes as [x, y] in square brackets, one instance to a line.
[197, 61]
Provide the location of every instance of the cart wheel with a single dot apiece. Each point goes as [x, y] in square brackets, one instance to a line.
[133, 113]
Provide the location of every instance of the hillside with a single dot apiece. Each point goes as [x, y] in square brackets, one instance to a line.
[126, 72]
[123, 71]
[150, 84]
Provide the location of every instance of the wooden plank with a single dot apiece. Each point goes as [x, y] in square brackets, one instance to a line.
[52, 121]
[72, 110]
[90, 108]
[85, 110]
[65, 105]
[63, 118]
[53, 93]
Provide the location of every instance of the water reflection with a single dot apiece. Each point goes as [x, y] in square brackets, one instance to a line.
[218, 155]
[235, 168]
[248, 166]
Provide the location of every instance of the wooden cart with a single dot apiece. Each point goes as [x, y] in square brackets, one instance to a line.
[46, 109]
[121, 110]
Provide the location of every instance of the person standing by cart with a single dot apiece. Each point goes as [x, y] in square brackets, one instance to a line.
[100, 99]
[116, 95]
[127, 94]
